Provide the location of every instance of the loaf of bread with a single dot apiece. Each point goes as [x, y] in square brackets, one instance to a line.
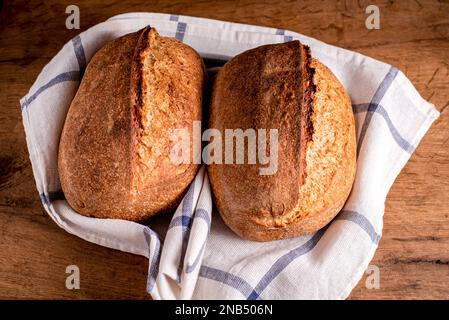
[114, 150]
[281, 87]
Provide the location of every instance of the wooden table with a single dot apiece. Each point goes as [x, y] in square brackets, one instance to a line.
[413, 255]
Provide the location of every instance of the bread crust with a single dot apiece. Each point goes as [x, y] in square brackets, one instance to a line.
[114, 148]
[283, 205]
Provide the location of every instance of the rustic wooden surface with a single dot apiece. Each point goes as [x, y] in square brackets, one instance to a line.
[413, 255]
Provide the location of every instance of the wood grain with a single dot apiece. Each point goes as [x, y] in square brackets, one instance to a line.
[413, 255]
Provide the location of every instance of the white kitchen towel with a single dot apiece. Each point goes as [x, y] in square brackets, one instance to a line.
[193, 254]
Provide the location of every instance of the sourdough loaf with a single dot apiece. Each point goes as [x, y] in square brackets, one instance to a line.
[281, 87]
[114, 149]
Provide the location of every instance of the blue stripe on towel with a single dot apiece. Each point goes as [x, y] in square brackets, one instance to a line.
[203, 214]
[362, 221]
[153, 268]
[181, 221]
[281, 263]
[377, 108]
[227, 278]
[79, 53]
[66, 76]
[187, 205]
[191, 267]
[186, 222]
[378, 95]
[44, 199]
[200, 214]
[280, 32]
[180, 30]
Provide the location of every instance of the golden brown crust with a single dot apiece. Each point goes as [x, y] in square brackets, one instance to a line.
[261, 88]
[114, 149]
[274, 207]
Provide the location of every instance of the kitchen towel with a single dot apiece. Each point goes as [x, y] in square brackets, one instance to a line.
[192, 254]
